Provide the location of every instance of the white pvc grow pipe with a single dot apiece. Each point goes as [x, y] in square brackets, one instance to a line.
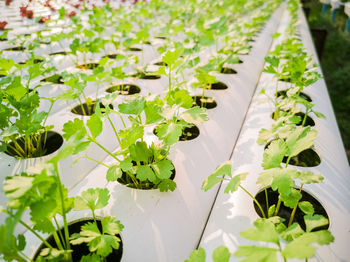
[233, 213]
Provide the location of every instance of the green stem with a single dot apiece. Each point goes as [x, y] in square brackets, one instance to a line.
[294, 210]
[35, 233]
[256, 201]
[114, 129]
[96, 161]
[57, 240]
[104, 149]
[267, 202]
[59, 232]
[278, 206]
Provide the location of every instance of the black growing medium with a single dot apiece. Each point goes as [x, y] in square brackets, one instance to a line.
[146, 76]
[205, 102]
[134, 49]
[59, 53]
[88, 109]
[161, 63]
[217, 86]
[112, 56]
[285, 212]
[308, 122]
[124, 89]
[145, 185]
[82, 250]
[88, 66]
[283, 93]
[52, 143]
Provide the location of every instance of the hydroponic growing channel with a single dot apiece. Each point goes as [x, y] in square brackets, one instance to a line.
[127, 127]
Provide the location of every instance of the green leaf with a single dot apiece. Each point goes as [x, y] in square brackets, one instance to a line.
[197, 256]
[307, 177]
[169, 132]
[292, 232]
[314, 221]
[93, 198]
[16, 89]
[274, 154]
[300, 139]
[113, 173]
[264, 231]
[302, 246]
[139, 152]
[94, 124]
[256, 254]
[133, 107]
[75, 127]
[170, 57]
[221, 254]
[306, 207]
[111, 226]
[291, 199]
[166, 185]
[126, 164]
[195, 115]
[17, 186]
[91, 258]
[163, 169]
[217, 176]
[234, 183]
[130, 135]
[283, 182]
[144, 172]
[179, 97]
[271, 210]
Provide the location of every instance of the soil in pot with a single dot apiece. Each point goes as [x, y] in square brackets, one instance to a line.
[143, 185]
[16, 48]
[283, 93]
[87, 110]
[88, 66]
[124, 89]
[59, 53]
[55, 79]
[228, 71]
[189, 133]
[309, 121]
[82, 250]
[206, 102]
[146, 76]
[49, 141]
[285, 212]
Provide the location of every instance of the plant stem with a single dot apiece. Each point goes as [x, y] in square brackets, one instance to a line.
[35, 233]
[104, 149]
[267, 202]
[278, 206]
[256, 201]
[114, 129]
[294, 210]
[59, 231]
[96, 161]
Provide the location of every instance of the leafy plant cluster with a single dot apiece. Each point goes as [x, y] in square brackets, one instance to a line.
[281, 237]
[137, 162]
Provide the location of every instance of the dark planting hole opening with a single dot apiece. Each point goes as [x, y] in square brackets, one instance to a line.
[205, 101]
[124, 89]
[308, 122]
[146, 76]
[227, 70]
[59, 53]
[285, 212]
[42, 144]
[283, 93]
[88, 66]
[217, 86]
[134, 49]
[3, 39]
[82, 249]
[160, 37]
[126, 180]
[88, 110]
[16, 48]
[147, 42]
[188, 133]
[56, 79]
[161, 63]
[35, 61]
[112, 56]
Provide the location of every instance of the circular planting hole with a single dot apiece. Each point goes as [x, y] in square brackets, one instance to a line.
[3, 39]
[124, 89]
[285, 212]
[205, 101]
[59, 53]
[16, 48]
[146, 76]
[134, 49]
[87, 110]
[35, 61]
[283, 93]
[189, 133]
[112, 56]
[161, 63]
[45, 144]
[88, 66]
[143, 185]
[160, 37]
[56, 79]
[78, 251]
[217, 86]
[308, 122]
[227, 70]
[147, 43]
